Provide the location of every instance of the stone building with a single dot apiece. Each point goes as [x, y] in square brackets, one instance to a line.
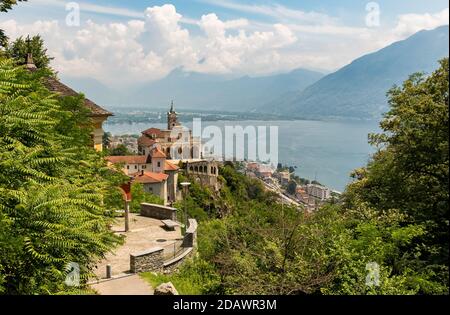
[98, 114]
[158, 175]
[177, 142]
[205, 172]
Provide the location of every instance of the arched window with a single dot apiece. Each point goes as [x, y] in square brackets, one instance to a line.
[191, 169]
[196, 169]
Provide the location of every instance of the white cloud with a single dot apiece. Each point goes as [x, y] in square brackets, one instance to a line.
[409, 24]
[277, 11]
[120, 54]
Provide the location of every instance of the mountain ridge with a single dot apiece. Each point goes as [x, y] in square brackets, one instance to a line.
[358, 90]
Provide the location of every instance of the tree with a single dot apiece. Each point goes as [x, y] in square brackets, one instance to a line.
[52, 187]
[139, 195]
[120, 150]
[20, 48]
[6, 5]
[106, 139]
[409, 174]
[292, 187]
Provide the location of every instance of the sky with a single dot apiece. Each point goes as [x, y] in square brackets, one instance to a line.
[120, 43]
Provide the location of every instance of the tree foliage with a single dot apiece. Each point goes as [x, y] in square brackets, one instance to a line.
[21, 47]
[52, 186]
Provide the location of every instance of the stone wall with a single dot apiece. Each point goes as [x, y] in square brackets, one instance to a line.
[150, 260]
[160, 212]
[153, 259]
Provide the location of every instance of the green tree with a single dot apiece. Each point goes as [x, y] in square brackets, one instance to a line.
[139, 195]
[409, 174]
[292, 187]
[20, 48]
[106, 139]
[52, 186]
[120, 150]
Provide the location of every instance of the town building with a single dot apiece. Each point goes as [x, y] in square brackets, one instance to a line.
[302, 195]
[154, 183]
[97, 114]
[283, 177]
[129, 142]
[177, 142]
[158, 175]
[318, 191]
[205, 172]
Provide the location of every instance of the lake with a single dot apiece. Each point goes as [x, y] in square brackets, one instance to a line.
[324, 150]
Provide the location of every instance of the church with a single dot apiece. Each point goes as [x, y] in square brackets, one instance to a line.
[177, 142]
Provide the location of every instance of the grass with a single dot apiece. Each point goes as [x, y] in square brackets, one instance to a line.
[183, 284]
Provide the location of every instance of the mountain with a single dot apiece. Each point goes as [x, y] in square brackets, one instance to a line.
[358, 90]
[192, 90]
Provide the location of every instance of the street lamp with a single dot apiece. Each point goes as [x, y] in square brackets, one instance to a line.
[185, 186]
[126, 187]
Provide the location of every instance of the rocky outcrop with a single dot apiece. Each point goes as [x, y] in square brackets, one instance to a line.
[166, 289]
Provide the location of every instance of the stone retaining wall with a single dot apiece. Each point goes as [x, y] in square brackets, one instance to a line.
[160, 212]
[153, 259]
[150, 260]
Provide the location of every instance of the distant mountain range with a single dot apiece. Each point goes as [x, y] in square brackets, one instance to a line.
[359, 89]
[215, 92]
[199, 91]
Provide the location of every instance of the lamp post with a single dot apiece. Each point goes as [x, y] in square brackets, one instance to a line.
[185, 186]
[127, 190]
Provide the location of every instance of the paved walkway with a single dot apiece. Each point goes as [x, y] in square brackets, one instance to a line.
[129, 285]
[144, 234]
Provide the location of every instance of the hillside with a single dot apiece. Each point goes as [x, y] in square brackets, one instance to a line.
[358, 90]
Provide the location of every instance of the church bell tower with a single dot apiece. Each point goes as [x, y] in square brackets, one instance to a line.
[172, 118]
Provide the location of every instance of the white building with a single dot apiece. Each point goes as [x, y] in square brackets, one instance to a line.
[318, 191]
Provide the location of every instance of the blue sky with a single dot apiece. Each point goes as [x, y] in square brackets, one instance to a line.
[145, 40]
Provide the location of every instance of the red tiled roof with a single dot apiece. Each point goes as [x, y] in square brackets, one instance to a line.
[153, 131]
[157, 153]
[170, 167]
[130, 159]
[144, 140]
[149, 177]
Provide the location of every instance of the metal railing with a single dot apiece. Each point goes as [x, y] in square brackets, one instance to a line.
[173, 249]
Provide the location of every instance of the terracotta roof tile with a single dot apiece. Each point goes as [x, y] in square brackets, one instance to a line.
[144, 140]
[153, 131]
[170, 167]
[157, 153]
[149, 177]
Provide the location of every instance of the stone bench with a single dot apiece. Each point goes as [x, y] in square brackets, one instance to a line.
[169, 224]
